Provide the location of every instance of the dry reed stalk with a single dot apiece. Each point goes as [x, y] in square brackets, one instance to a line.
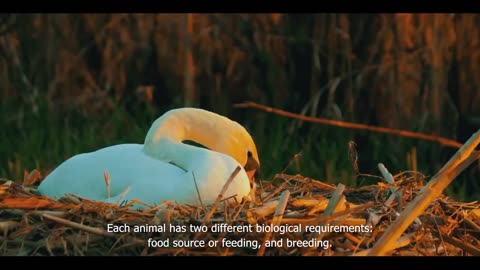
[5, 226]
[31, 178]
[475, 251]
[414, 159]
[301, 179]
[335, 201]
[334, 205]
[464, 157]
[388, 176]
[79, 226]
[198, 191]
[472, 224]
[355, 240]
[475, 213]
[124, 193]
[402, 242]
[49, 212]
[277, 190]
[300, 202]
[30, 203]
[264, 210]
[320, 206]
[277, 219]
[73, 198]
[446, 216]
[308, 221]
[240, 208]
[189, 73]
[106, 177]
[324, 218]
[220, 196]
[207, 217]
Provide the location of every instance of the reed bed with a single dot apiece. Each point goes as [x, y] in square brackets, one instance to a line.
[408, 71]
[31, 224]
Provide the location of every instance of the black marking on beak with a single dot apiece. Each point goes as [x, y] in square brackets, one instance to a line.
[251, 164]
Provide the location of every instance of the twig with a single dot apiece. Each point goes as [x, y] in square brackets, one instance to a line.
[5, 226]
[333, 204]
[402, 242]
[218, 200]
[74, 199]
[294, 159]
[399, 132]
[220, 196]
[301, 179]
[120, 199]
[106, 177]
[79, 226]
[433, 189]
[277, 219]
[335, 200]
[386, 174]
[235, 216]
[53, 213]
[389, 178]
[472, 224]
[198, 191]
[461, 244]
[325, 218]
[277, 190]
[18, 241]
[265, 210]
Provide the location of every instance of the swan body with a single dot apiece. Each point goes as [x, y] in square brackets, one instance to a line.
[164, 168]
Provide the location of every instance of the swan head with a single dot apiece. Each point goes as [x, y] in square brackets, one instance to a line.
[214, 131]
[240, 146]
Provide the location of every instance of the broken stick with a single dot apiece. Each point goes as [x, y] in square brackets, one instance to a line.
[462, 159]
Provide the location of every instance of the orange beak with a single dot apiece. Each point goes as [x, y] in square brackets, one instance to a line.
[251, 175]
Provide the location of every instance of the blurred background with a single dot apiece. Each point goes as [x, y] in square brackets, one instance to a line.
[75, 83]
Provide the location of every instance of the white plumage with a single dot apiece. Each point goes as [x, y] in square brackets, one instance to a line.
[163, 168]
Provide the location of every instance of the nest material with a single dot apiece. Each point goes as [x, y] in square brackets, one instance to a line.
[36, 225]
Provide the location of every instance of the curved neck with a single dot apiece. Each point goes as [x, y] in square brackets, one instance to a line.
[216, 132]
[192, 124]
[173, 152]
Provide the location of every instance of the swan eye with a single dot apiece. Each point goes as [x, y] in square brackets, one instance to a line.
[249, 154]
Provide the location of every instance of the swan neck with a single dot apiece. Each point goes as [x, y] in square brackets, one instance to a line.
[216, 132]
[179, 154]
[180, 125]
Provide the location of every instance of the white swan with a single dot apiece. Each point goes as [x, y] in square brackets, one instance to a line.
[164, 168]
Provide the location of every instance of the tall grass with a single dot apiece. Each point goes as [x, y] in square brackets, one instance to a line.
[75, 82]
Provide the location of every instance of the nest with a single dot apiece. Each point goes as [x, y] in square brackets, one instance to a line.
[293, 215]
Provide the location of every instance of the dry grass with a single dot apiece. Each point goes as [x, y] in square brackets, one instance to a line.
[35, 225]
[409, 70]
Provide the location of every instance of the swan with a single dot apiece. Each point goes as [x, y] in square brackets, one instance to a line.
[164, 168]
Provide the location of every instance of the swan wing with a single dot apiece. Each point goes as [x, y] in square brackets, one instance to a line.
[127, 166]
[145, 178]
[212, 170]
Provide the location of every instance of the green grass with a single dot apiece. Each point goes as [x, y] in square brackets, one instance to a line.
[43, 139]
